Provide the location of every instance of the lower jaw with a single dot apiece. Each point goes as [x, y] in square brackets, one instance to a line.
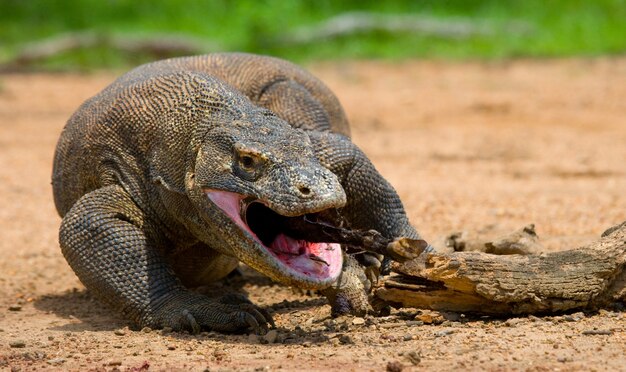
[275, 267]
[299, 281]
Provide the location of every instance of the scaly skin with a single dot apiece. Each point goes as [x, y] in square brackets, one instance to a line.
[138, 166]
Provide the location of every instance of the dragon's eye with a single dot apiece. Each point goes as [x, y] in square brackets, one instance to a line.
[247, 162]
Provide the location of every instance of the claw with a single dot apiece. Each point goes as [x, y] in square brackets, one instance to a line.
[252, 323]
[373, 260]
[372, 275]
[193, 324]
[259, 316]
[268, 318]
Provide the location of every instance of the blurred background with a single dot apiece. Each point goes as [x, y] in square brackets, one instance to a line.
[93, 34]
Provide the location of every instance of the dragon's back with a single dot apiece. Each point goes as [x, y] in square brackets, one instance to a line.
[107, 138]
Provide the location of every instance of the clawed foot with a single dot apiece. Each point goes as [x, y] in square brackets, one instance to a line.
[349, 294]
[230, 313]
[361, 271]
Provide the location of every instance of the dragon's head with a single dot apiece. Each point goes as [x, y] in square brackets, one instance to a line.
[252, 173]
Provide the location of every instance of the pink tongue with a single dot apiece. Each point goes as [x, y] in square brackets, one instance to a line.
[285, 244]
[297, 254]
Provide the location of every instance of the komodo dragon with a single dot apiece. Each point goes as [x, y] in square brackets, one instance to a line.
[175, 172]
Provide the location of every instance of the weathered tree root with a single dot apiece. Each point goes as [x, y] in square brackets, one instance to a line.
[590, 277]
[522, 241]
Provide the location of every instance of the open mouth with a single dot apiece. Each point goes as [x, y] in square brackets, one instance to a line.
[302, 259]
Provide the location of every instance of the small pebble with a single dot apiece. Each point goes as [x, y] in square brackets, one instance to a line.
[394, 366]
[513, 322]
[56, 361]
[17, 344]
[171, 347]
[453, 317]
[271, 336]
[391, 325]
[358, 321]
[146, 330]
[115, 363]
[345, 339]
[425, 318]
[387, 336]
[413, 357]
[414, 323]
[430, 317]
[119, 332]
[15, 307]
[407, 337]
[445, 332]
[574, 317]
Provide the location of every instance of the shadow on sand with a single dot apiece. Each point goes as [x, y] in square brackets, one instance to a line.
[84, 312]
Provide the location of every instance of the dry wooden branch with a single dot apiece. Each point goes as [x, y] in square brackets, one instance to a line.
[160, 46]
[353, 23]
[589, 277]
[401, 249]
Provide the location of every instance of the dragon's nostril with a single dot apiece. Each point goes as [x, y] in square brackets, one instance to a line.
[304, 190]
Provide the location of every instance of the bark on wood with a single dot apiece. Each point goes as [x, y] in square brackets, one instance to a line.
[589, 277]
[522, 241]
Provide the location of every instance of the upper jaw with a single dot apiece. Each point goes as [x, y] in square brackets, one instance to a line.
[293, 207]
[293, 262]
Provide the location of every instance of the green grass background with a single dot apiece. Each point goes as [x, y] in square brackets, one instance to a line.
[558, 28]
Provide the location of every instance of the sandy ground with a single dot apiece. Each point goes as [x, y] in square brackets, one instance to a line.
[467, 146]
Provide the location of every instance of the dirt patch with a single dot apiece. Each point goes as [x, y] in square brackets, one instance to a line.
[468, 147]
